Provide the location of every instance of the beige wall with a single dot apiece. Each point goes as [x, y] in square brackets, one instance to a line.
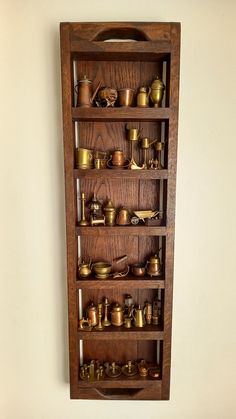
[34, 353]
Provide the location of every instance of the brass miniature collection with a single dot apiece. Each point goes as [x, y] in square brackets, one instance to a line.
[129, 314]
[103, 269]
[95, 371]
[105, 96]
[106, 214]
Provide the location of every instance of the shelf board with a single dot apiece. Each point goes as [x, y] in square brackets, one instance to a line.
[121, 231]
[129, 282]
[121, 333]
[122, 382]
[119, 173]
[120, 114]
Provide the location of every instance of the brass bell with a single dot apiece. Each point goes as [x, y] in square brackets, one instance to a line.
[123, 217]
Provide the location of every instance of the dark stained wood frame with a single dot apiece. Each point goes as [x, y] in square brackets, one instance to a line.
[86, 42]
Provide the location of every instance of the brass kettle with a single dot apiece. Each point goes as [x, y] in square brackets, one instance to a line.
[143, 97]
[85, 94]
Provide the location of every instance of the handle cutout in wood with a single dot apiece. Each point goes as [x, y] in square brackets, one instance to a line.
[121, 34]
[118, 393]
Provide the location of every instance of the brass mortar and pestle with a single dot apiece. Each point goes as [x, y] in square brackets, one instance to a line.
[103, 269]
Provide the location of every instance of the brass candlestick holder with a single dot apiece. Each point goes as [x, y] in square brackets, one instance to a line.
[159, 147]
[133, 135]
[83, 221]
[99, 327]
[106, 322]
[145, 145]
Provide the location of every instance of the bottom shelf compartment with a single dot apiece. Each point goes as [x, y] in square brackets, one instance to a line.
[104, 353]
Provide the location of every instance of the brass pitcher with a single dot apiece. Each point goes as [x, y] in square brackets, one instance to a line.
[85, 94]
[139, 319]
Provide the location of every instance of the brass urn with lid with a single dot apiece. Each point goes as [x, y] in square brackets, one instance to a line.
[157, 91]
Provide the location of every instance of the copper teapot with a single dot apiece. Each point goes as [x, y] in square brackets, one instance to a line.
[85, 94]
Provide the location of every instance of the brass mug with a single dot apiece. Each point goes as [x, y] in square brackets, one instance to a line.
[84, 158]
[125, 96]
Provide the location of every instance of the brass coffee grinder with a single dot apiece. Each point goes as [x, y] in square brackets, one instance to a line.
[96, 215]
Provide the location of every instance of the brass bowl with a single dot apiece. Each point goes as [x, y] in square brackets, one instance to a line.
[102, 269]
[138, 269]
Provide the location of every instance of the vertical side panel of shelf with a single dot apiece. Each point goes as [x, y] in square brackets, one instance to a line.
[70, 194]
[172, 157]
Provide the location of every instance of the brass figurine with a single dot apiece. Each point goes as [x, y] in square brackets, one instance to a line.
[106, 97]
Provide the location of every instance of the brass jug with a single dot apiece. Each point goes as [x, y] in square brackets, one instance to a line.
[157, 91]
[139, 319]
[143, 97]
[84, 90]
[117, 315]
[153, 266]
[84, 269]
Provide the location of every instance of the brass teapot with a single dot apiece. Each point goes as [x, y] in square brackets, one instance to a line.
[85, 94]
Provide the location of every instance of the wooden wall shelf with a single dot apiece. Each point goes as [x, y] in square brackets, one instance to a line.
[153, 50]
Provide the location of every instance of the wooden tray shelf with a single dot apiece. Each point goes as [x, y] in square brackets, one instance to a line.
[121, 333]
[120, 114]
[121, 231]
[119, 173]
[124, 284]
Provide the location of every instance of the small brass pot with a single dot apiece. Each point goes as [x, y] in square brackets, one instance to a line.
[138, 269]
